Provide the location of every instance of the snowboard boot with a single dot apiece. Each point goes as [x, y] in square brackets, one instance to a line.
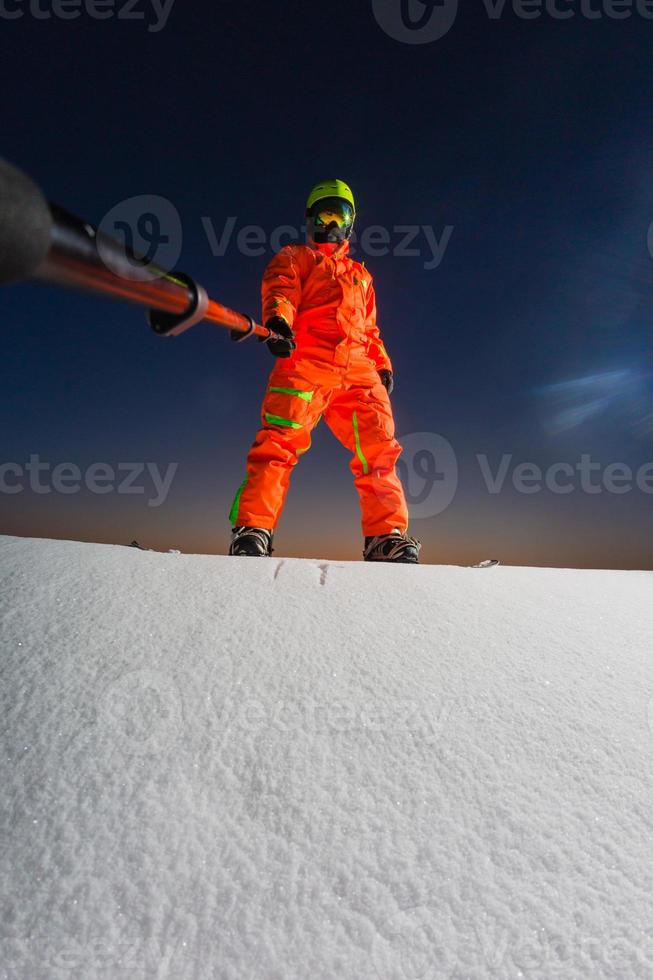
[395, 546]
[253, 542]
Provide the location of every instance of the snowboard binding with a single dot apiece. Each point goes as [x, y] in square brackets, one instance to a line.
[251, 542]
[394, 547]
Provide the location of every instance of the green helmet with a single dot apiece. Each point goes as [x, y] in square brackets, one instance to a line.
[331, 212]
[330, 188]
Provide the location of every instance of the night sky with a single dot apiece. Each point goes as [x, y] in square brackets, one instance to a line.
[527, 144]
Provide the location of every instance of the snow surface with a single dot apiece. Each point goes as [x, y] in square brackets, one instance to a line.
[286, 769]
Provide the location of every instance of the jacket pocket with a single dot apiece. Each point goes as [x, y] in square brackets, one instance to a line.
[286, 406]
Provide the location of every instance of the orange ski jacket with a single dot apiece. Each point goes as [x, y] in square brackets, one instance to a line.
[328, 299]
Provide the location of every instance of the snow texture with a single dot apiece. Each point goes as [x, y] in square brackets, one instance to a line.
[301, 770]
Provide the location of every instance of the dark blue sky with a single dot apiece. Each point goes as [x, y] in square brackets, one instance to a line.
[531, 139]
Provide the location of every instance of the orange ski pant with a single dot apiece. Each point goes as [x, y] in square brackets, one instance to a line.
[359, 416]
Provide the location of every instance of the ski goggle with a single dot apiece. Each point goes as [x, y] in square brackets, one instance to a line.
[333, 211]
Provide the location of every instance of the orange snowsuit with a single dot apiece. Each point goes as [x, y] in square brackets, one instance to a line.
[328, 299]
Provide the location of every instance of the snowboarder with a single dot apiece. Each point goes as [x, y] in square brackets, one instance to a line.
[332, 364]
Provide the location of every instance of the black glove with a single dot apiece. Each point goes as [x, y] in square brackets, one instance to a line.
[387, 380]
[280, 348]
